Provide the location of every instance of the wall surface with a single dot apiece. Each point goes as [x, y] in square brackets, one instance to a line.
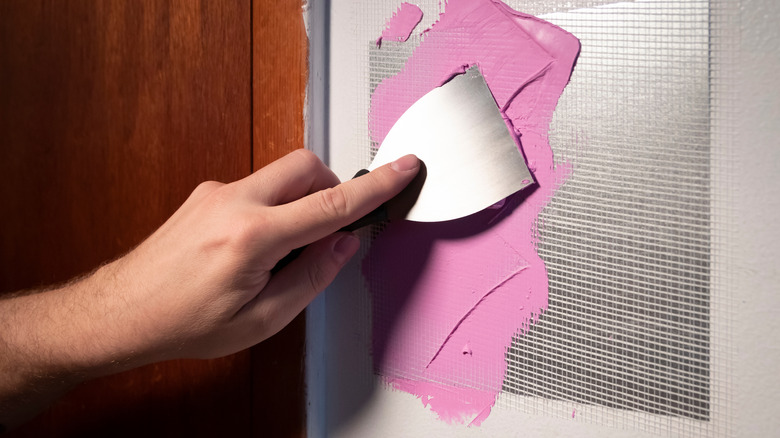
[757, 329]
[347, 399]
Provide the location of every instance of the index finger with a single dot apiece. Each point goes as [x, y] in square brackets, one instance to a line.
[291, 177]
[322, 213]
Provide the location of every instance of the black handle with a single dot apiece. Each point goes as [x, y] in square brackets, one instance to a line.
[376, 216]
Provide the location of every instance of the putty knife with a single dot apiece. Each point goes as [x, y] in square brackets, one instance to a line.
[471, 159]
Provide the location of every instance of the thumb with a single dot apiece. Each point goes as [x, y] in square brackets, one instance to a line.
[290, 290]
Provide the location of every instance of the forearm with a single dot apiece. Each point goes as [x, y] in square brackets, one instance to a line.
[199, 287]
[53, 340]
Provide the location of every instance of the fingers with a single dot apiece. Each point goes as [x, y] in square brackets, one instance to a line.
[291, 177]
[294, 287]
[324, 212]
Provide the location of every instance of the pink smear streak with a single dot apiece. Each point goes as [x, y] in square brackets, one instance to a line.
[401, 24]
[476, 281]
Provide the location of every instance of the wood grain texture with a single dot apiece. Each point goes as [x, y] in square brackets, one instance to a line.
[279, 85]
[110, 114]
[280, 67]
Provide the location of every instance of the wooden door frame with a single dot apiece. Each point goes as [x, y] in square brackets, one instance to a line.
[55, 110]
[279, 77]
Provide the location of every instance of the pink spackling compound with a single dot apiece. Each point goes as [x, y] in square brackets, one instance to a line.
[475, 281]
[401, 24]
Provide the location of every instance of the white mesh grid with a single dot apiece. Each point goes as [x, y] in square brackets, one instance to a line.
[636, 334]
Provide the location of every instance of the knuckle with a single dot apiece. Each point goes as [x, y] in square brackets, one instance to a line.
[209, 185]
[317, 277]
[220, 196]
[245, 231]
[385, 180]
[229, 217]
[269, 322]
[333, 202]
[306, 157]
[254, 229]
[205, 188]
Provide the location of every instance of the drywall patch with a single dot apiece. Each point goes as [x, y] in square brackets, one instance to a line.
[401, 24]
[475, 281]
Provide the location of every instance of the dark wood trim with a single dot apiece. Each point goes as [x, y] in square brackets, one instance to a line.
[110, 114]
[279, 60]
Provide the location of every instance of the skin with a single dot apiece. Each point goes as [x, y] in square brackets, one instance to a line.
[199, 287]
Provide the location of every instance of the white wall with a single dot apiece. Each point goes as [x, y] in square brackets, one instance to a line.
[756, 335]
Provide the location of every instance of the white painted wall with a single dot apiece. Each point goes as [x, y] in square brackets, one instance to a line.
[756, 339]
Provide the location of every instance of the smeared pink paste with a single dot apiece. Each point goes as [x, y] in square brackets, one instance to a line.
[448, 297]
[401, 24]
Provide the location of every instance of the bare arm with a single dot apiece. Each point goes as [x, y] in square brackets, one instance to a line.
[199, 287]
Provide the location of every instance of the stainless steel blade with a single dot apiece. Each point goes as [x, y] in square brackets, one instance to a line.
[471, 157]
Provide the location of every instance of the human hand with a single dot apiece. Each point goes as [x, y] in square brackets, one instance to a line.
[201, 285]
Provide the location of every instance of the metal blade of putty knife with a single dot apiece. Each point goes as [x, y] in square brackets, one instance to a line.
[471, 159]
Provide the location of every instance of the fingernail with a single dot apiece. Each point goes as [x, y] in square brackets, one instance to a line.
[405, 163]
[346, 247]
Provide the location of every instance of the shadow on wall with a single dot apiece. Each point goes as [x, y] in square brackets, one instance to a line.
[388, 274]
